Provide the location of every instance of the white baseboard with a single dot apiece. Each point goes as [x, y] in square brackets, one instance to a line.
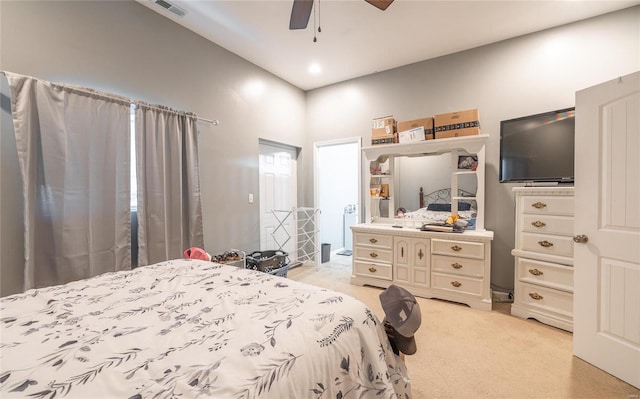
[501, 296]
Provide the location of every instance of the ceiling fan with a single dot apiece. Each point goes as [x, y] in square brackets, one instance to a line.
[301, 11]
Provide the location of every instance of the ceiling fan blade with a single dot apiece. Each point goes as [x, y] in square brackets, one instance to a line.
[300, 13]
[381, 4]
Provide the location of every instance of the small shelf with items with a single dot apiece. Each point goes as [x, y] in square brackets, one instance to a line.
[380, 181]
[464, 166]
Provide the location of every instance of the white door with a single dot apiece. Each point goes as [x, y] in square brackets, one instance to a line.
[607, 198]
[278, 191]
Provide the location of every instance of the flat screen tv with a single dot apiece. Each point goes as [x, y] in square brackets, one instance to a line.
[538, 148]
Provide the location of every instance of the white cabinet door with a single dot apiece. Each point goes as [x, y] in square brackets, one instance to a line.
[420, 270]
[401, 264]
[607, 199]
[411, 261]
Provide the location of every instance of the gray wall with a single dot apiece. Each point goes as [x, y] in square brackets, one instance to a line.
[127, 49]
[522, 76]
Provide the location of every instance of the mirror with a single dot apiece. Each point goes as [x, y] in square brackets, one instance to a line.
[432, 173]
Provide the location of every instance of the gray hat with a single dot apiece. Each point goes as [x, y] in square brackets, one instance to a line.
[402, 312]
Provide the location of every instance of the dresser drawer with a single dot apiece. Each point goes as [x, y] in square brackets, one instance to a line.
[375, 270]
[548, 224]
[460, 284]
[463, 249]
[545, 298]
[372, 239]
[547, 274]
[547, 244]
[369, 254]
[458, 266]
[547, 205]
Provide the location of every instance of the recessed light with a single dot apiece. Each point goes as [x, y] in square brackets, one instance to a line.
[315, 69]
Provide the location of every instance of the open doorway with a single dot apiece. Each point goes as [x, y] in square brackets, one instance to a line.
[337, 186]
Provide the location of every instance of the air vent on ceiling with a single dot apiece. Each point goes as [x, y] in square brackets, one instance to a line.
[174, 9]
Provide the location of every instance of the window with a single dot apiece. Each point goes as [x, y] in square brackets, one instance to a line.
[133, 178]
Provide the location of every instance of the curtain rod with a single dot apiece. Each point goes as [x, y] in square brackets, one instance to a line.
[111, 96]
[214, 122]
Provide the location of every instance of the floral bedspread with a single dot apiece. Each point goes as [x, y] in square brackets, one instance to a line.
[194, 329]
[436, 216]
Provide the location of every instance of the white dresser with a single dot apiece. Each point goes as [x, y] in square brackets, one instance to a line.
[543, 253]
[449, 266]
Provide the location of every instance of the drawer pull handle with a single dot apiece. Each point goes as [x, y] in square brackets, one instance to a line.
[456, 284]
[545, 244]
[536, 296]
[456, 248]
[373, 240]
[373, 269]
[538, 224]
[539, 205]
[535, 272]
[456, 265]
[373, 255]
[581, 239]
[420, 254]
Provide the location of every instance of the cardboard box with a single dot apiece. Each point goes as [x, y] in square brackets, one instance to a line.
[426, 123]
[455, 124]
[379, 190]
[384, 190]
[470, 131]
[374, 190]
[382, 140]
[383, 127]
[413, 135]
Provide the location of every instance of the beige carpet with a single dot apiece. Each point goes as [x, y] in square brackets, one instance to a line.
[467, 353]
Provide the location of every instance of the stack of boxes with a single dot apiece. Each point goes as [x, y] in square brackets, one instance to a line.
[453, 124]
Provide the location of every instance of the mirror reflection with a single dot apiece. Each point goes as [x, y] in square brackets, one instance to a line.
[422, 188]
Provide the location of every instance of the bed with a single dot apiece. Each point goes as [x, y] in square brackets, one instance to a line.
[435, 207]
[194, 329]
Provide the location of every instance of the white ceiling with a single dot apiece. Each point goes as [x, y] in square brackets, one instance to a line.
[358, 39]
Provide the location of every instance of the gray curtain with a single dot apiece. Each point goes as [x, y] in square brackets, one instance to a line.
[74, 152]
[169, 206]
